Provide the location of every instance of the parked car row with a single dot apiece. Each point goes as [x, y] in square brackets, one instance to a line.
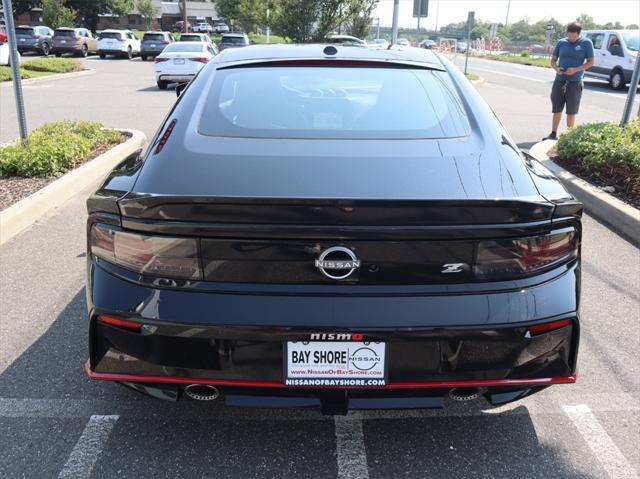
[201, 27]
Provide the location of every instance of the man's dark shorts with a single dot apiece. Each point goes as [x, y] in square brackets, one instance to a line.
[566, 92]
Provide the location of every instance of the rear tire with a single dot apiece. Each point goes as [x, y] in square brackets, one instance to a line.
[616, 80]
[58, 55]
[129, 53]
[84, 51]
[102, 56]
[163, 84]
[46, 49]
[143, 57]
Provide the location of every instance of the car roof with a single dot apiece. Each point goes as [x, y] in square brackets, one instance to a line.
[279, 52]
[115, 30]
[234, 35]
[155, 31]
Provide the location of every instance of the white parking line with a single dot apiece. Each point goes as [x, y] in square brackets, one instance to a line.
[88, 448]
[603, 447]
[350, 450]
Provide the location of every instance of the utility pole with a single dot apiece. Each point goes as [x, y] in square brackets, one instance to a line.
[437, 14]
[470, 20]
[378, 29]
[15, 67]
[268, 27]
[631, 96]
[506, 20]
[394, 27]
[185, 22]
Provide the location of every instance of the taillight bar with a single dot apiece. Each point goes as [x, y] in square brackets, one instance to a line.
[159, 256]
[548, 327]
[160, 60]
[200, 60]
[121, 323]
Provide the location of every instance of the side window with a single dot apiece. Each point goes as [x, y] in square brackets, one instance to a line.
[596, 39]
[614, 46]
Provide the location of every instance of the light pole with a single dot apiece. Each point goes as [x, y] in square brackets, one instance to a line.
[506, 20]
[185, 22]
[394, 27]
[633, 86]
[268, 27]
[15, 67]
[378, 29]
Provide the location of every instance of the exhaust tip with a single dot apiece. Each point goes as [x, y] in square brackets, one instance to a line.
[202, 392]
[465, 394]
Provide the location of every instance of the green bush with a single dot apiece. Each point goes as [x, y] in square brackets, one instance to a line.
[5, 74]
[598, 145]
[53, 65]
[55, 148]
[524, 53]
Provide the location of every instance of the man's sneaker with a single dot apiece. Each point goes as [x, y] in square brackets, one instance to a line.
[552, 136]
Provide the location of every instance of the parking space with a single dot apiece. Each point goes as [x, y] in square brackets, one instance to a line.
[56, 422]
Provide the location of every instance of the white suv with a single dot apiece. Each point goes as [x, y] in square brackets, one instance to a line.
[615, 53]
[119, 43]
[202, 28]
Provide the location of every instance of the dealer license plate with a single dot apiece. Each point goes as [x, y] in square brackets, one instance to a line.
[178, 61]
[335, 363]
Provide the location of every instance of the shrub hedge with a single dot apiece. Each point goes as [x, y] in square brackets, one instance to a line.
[55, 148]
[53, 65]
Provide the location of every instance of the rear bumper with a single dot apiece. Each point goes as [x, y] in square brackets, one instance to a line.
[112, 51]
[57, 49]
[236, 341]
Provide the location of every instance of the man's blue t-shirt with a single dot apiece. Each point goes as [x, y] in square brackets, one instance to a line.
[572, 55]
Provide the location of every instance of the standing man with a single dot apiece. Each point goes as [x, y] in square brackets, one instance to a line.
[576, 55]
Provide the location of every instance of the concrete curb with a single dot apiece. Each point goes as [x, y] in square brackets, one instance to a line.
[622, 217]
[48, 78]
[19, 216]
[477, 82]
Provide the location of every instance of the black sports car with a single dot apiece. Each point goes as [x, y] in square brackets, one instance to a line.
[333, 226]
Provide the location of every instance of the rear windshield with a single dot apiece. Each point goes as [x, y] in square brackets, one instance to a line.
[24, 31]
[65, 33]
[333, 102]
[190, 38]
[177, 47]
[153, 36]
[233, 40]
[116, 35]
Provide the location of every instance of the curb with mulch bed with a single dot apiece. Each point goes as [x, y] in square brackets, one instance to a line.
[621, 216]
[87, 173]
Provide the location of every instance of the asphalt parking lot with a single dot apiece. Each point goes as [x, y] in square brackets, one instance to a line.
[56, 423]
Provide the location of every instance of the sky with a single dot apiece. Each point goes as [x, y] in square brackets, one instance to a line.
[453, 11]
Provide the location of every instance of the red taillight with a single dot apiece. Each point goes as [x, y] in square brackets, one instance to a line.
[517, 257]
[201, 60]
[160, 256]
[160, 59]
[165, 136]
[548, 327]
[121, 323]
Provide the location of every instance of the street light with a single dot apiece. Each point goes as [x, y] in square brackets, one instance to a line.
[15, 67]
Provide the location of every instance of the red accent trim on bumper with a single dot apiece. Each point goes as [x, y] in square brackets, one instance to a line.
[274, 384]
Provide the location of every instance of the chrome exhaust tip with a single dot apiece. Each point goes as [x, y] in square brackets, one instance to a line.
[465, 394]
[202, 392]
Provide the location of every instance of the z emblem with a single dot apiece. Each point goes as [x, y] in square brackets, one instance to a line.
[453, 268]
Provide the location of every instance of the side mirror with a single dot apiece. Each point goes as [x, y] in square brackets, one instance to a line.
[616, 50]
[180, 88]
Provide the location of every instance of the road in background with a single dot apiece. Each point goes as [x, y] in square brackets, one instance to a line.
[56, 422]
[119, 93]
[519, 94]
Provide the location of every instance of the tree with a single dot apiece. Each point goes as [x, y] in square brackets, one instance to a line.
[90, 9]
[633, 26]
[360, 17]
[250, 14]
[587, 21]
[24, 6]
[56, 15]
[295, 19]
[147, 11]
[228, 9]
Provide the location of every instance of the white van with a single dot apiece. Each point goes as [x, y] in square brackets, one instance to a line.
[615, 55]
